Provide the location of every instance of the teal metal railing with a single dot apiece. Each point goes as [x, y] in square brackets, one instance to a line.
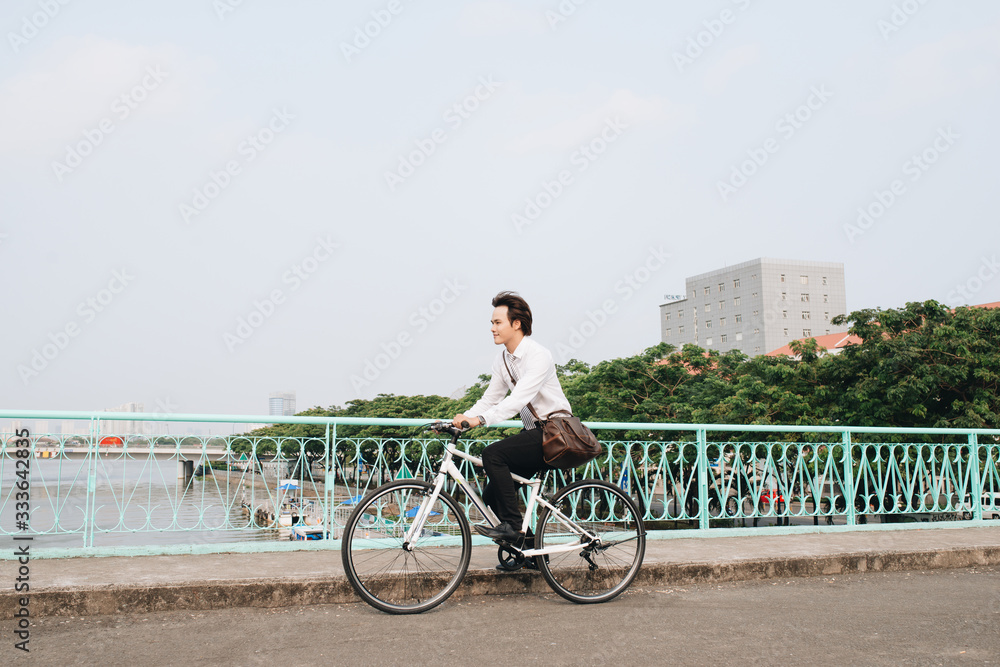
[100, 491]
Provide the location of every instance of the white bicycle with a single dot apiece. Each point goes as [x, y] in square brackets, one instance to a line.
[406, 546]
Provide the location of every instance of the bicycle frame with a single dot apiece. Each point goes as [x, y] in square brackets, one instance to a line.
[449, 469]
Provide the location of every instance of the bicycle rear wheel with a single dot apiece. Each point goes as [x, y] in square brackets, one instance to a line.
[398, 578]
[600, 569]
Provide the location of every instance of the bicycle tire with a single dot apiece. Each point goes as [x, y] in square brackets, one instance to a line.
[390, 577]
[614, 558]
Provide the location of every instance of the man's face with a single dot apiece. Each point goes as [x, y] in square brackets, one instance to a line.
[502, 329]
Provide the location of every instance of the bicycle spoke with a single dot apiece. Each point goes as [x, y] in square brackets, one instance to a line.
[601, 570]
[399, 580]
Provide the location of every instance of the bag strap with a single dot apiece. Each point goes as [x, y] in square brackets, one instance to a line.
[530, 409]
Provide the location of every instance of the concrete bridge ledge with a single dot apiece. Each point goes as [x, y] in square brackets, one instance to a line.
[144, 584]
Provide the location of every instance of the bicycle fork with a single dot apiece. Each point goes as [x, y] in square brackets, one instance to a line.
[447, 469]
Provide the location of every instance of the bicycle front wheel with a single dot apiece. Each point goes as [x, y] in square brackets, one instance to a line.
[401, 578]
[598, 568]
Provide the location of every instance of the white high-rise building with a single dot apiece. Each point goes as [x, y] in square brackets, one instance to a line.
[75, 427]
[281, 404]
[756, 306]
[124, 427]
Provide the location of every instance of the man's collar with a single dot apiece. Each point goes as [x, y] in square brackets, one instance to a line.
[519, 350]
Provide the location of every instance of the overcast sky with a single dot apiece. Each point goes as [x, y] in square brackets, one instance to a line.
[203, 202]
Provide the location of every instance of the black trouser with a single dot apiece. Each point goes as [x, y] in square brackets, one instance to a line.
[520, 454]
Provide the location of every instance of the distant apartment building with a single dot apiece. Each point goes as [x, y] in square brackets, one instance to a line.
[125, 426]
[281, 404]
[756, 306]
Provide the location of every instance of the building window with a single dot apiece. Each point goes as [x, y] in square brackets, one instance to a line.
[756, 349]
[782, 277]
[736, 301]
[753, 276]
[722, 305]
[666, 317]
[722, 321]
[708, 324]
[708, 290]
[784, 296]
[805, 314]
[826, 298]
[824, 280]
[680, 313]
[804, 280]
[755, 295]
[723, 337]
[826, 316]
[708, 307]
[739, 335]
[694, 294]
[804, 298]
[739, 318]
[708, 342]
[806, 333]
[722, 287]
[668, 333]
[680, 330]
[736, 282]
[756, 331]
[785, 332]
[755, 313]
[827, 331]
[784, 314]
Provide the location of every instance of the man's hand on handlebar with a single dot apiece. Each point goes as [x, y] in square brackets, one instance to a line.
[470, 422]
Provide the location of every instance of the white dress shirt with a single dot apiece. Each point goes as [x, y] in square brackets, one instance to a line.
[537, 384]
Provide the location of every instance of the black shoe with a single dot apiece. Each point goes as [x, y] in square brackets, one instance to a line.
[532, 563]
[504, 532]
[504, 568]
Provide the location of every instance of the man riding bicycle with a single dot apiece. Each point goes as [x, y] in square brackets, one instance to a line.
[526, 370]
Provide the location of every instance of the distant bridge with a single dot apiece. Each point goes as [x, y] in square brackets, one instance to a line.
[191, 453]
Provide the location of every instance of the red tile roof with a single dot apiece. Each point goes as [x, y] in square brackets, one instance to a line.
[831, 342]
[836, 341]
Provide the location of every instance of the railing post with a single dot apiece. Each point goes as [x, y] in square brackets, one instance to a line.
[975, 493]
[329, 481]
[849, 478]
[702, 479]
[91, 504]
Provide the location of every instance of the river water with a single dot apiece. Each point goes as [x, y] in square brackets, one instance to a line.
[135, 502]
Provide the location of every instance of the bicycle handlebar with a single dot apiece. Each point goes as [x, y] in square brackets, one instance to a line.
[449, 428]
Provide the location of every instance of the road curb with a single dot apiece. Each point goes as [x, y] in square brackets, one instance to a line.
[139, 599]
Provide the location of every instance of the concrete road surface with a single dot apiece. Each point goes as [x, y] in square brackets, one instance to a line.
[940, 617]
